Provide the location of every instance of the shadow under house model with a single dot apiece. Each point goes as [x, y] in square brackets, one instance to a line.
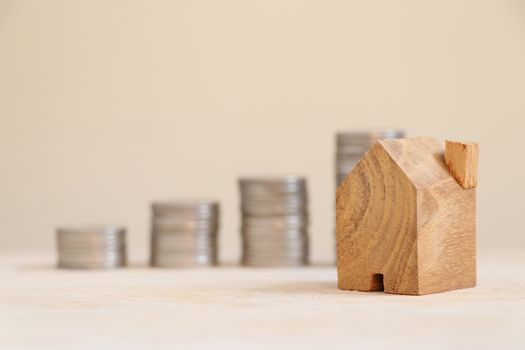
[406, 218]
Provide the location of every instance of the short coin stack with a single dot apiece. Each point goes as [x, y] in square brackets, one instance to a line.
[91, 247]
[351, 146]
[274, 221]
[184, 233]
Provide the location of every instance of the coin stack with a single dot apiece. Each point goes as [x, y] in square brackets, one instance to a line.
[352, 145]
[274, 221]
[91, 247]
[184, 233]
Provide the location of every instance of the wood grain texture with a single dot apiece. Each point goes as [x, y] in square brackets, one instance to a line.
[376, 219]
[462, 162]
[44, 308]
[402, 216]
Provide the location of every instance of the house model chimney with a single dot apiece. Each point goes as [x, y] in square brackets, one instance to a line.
[462, 162]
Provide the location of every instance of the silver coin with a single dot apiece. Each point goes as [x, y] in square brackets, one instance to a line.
[282, 238]
[183, 236]
[275, 250]
[184, 233]
[86, 239]
[181, 250]
[183, 241]
[89, 238]
[274, 262]
[91, 229]
[190, 261]
[368, 135]
[91, 253]
[186, 246]
[81, 265]
[91, 246]
[262, 192]
[168, 224]
[274, 258]
[272, 185]
[286, 205]
[274, 225]
[91, 265]
[281, 253]
[91, 260]
[274, 232]
[116, 262]
[185, 255]
[265, 211]
[174, 242]
[268, 198]
[346, 166]
[191, 209]
[275, 222]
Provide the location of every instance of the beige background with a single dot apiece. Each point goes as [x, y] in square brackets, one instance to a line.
[106, 105]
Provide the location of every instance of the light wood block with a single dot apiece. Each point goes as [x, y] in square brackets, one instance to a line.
[404, 225]
[462, 161]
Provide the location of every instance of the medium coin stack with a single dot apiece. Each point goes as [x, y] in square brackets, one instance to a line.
[91, 247]
[184, 233]
[352, 145]
[274, 221]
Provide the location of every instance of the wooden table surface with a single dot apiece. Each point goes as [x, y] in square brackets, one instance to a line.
[245, 308]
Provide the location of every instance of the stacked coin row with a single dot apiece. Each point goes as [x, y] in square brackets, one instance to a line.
[91, 247]
[274, 226]
[184, 233]
[351, 146]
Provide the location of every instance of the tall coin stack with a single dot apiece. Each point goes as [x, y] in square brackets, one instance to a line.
[184, 233]
[274, 221]
[352, 145]
[91, 247]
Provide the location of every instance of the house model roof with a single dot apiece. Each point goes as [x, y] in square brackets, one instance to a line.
[421, 159]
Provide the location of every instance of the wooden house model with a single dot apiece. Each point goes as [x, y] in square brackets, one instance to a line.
[406, 218]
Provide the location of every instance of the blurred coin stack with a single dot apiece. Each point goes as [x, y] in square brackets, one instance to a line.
[91, 247]
[274, 221]
[184, 233]
[351, 146]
